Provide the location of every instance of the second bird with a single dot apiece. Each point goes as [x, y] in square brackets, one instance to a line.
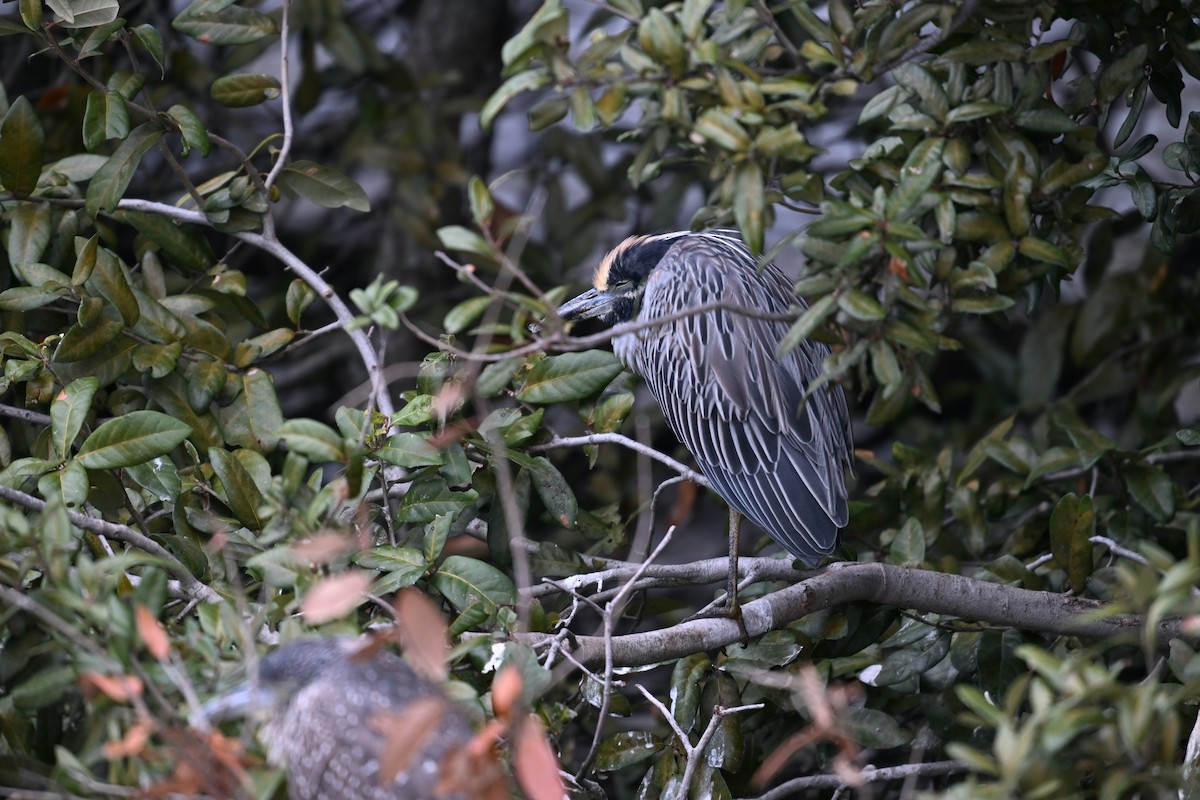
[736, 405]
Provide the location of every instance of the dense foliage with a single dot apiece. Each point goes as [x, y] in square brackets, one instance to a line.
[994, 204]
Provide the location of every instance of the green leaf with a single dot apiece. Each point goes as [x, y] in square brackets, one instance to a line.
[132, 439]
[253, 420]
[464, 315]
[67, 413]
[106, 117]
[228, 24]
[625, 749]
[921, 169]
[570, 376]
[749, 204]
[467, 581]
[526, 81]
[416, 411]
[30, 227]
[69, 484]
[245, 89]
[430, 497]
[299, 297]
[554, 490]
[84, 13]
[464, 240]
[722, 130]
[324, 186]
[928, 88]
[110, 181]
[108, 280]
[81, 342]
[314, 440]
[22, 148]
[149, 38]
[812, 318]
[241, 493]
[402, 566]
[1072, 524]
[410, 450]
[182, 244]
[860, 305]
[191, 129]
[870, 727]
[1152, 488]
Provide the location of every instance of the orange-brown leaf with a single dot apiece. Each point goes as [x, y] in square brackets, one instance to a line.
[334, 597]
[121, 688]
[405, 734]
[423, 633]
[152, 633]
[131, 743]
[324, 547]
[506, 690]
[535, 763]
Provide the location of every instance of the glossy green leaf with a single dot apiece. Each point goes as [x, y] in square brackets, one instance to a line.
[240, 491]
[245, 89]
[409, 450]
[467, 581]
[191, 129]
[68, 412]
[314, 440]
[430, 497]
[324, 186]
[68, 484]
[132, 439]
[224, 23]
[570, 376]
[1152, 488]
[110, 181]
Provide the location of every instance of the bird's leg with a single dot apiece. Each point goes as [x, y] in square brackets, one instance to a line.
[733, 609]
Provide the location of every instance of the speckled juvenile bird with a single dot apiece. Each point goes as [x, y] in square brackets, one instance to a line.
[330, 712]
[735, 404]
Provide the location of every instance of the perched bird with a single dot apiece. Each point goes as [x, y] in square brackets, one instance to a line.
[349, 722]
[735, 404]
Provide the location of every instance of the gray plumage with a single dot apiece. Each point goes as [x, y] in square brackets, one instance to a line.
[736, 406]
[329, 712]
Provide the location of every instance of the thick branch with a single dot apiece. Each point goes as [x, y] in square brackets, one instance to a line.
[921, 590]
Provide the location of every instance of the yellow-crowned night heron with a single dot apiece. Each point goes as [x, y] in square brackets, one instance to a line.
[330, 712]
[736, 405]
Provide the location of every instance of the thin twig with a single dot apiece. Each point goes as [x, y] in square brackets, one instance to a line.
[560, 442]
[187, 580]
[285, 97]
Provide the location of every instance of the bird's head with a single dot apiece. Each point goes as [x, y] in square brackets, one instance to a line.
[620, 280]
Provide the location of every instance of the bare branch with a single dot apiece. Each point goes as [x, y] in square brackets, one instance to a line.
[560, 442]
[922, 590]
[870, 775]
[193, 588]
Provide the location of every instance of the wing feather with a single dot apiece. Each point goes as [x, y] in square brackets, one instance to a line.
[733, 404]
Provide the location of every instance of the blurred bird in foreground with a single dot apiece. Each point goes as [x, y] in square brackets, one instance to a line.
[353, 722]
[737, 405]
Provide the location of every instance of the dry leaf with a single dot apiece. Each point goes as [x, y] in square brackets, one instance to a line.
[121, 688]
[423, 634]
[333, 598]
[475, 770]
[324, 547]
[152, 633]
[131, 743]
[535, 763]
[506, 690]
[405, 734]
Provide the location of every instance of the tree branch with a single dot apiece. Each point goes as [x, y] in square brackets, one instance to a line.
[187, 581]
[921, 590]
